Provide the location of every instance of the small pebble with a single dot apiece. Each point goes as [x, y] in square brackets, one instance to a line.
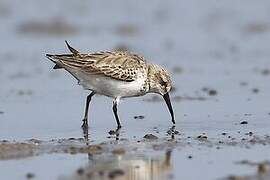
[249, 133]
[80, 171]
[150, 136]
[212, 92]
[235, 177]
[262, 168]
[139, 117]
[265, 72]
[119, 151]
[30, 175]
[244, 122]
[115, 173]
[255, 90]
[202, 137]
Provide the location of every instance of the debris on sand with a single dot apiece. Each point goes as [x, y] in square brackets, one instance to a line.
[80, 171]
[30, 175]
[202, 137]
[139, 117]
[263, 168]
[92, 149]
[119, 151]
[16, 150]
[233, 177]
[210, 91]
[1, 112]
[115, 173]
[243, 122]
[249, 133]
[257, 28]
[265, 72]
[255, 90]
[25, 92]
[150, 137]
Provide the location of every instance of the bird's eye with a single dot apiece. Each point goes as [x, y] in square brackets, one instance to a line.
[162, 83]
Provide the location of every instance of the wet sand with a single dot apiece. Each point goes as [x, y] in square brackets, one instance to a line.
[218, 56]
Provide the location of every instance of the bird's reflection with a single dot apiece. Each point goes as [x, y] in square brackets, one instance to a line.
[86, 135]
[127, 167]
[86, 139]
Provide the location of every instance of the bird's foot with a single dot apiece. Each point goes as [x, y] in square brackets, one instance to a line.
[115, 131]
[172, 132]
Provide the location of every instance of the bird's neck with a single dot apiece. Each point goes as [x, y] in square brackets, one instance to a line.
[151, 78]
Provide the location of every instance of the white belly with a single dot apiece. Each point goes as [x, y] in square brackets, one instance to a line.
[111, 87]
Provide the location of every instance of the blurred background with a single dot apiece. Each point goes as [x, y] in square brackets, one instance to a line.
[216, 51]
[209, 47]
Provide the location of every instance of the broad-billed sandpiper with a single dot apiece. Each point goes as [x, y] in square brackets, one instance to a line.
[116, 75]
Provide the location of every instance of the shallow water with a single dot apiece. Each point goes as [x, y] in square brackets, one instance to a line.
[217, 53]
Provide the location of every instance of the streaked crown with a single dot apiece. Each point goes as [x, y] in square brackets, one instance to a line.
[159, 79]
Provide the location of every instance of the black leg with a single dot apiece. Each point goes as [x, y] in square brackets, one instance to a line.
[85, 119]
[115, 102]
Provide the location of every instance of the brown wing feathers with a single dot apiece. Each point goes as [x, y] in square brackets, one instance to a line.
[117, 65]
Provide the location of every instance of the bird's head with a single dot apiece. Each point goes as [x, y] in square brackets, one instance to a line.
[159, 80]
[160, 83]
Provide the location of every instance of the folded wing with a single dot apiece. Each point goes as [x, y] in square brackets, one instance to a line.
[118, 65]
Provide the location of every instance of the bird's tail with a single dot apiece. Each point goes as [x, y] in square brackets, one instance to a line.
[58, 59]
[53, 58]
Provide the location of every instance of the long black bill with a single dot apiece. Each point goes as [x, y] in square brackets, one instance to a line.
[168, 102]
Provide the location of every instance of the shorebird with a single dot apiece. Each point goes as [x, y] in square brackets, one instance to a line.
[114, 74]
